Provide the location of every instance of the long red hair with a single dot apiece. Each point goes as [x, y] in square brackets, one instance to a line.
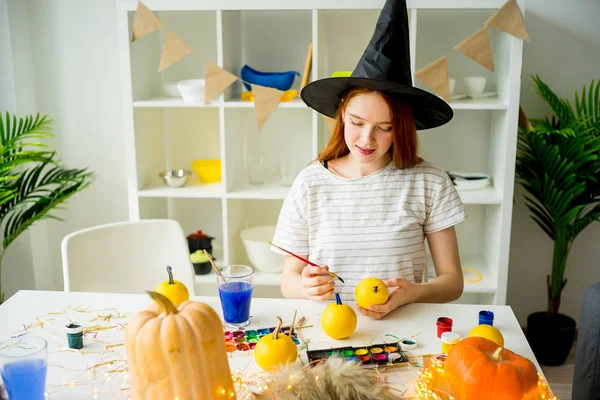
[404, 148]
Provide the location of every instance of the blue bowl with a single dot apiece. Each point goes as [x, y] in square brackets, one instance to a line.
[277, 80]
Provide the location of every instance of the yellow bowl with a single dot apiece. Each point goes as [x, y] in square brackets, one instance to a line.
[207, 170]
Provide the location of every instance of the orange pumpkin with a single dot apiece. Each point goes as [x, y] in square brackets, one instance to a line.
[478, 368]
[177, 352]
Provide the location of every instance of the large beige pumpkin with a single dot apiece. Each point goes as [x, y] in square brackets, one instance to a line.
[177, 353]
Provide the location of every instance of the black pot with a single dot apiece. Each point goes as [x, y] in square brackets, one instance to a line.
[200, 243]
[550, 339]
[202, 268]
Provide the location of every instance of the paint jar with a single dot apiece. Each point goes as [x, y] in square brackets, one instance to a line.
[449, 339]
[75, 336]
[444, 324]
[486, 317]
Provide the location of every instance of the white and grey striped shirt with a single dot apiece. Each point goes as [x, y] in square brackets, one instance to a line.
[371, 226]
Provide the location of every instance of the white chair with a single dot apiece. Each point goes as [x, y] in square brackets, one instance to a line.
[126, 257]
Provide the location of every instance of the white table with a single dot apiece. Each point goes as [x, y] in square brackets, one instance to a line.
[70, 378]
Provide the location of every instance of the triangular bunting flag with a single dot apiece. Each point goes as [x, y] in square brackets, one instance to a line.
[508, 19]
[478, 47]
[329, 122]
[217, 80]
[265, 101]
[174, 49]
[307, 67]
[435, 75]
[144, 22]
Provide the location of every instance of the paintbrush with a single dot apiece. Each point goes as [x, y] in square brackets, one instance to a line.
[306, 261]
[215, 266]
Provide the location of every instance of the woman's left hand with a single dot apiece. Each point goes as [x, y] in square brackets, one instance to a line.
[399, 297]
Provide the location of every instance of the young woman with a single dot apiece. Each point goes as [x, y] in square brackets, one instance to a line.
[365, 207]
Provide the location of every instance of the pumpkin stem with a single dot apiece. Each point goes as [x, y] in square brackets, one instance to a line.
[496, 356]
[170, 272]
[276, 331]
[337, 299]
[166, 304]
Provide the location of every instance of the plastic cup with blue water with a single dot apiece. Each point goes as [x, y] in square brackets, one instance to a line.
[23, 367]
[236, 293]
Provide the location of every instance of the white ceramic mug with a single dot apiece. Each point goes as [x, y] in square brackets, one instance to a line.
[451, 85]
[474, 85]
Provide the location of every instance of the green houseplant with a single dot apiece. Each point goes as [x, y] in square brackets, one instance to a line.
[32, 182]
[558, 164]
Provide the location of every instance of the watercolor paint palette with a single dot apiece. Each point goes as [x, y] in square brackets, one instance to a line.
[243, 341]
[375, 355]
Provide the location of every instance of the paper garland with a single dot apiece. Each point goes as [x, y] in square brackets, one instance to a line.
[508, 19]
[265, 101]
[144, 22]
[174, 49]
[435, 75]
[477, 47]
[217, 80]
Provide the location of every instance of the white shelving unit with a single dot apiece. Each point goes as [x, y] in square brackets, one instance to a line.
[164, 132]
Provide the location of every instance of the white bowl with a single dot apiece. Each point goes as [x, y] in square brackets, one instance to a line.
[259, 251]
[192, 89]
[171, 89]
[474, 85]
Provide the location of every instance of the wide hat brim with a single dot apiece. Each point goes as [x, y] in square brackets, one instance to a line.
[429, 110]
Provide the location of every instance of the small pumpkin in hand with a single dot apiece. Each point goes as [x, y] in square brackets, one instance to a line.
[177, 352]
[371, 292]
[174, 290]
[478, 368]
[489, 332]
[275, 349]
[338, 320]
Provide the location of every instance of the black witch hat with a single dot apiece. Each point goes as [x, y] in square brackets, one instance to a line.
[384, 66]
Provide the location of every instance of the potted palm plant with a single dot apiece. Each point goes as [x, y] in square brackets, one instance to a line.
[32, 182]
[558, 164]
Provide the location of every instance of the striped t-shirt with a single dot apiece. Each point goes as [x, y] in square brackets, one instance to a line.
[371, 226]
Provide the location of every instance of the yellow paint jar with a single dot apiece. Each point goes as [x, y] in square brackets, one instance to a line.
[449, 339]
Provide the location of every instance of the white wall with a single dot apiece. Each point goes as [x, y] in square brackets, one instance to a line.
[76, 80]
[75, 75]
[564, 50]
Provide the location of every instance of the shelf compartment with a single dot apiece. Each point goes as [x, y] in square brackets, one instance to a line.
[196, 28]
[257, 157]
[438, 31]
[267, 41]
[171, 138]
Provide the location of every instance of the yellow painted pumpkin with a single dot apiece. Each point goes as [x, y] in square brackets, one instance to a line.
[488, 332]
[370, 292]
[177, 352]
[338, 320]
[275, 350]
[173, 290]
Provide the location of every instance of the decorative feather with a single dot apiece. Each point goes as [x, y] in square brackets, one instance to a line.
[333, 379]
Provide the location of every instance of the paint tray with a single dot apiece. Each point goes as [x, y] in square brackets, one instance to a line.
[371, 356]
[244, 341]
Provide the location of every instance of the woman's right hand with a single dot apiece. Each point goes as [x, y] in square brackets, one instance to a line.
[317, 284]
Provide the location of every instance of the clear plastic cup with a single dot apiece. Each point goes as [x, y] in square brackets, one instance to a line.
[236, 293]
[23, 366]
